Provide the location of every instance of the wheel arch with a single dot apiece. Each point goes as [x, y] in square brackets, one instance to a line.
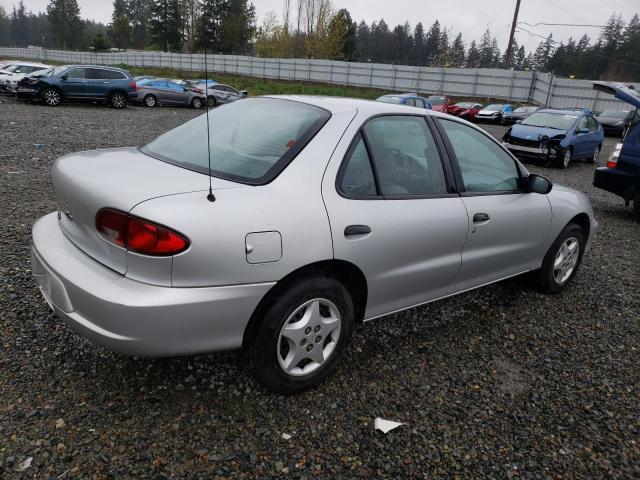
[583, 221]
[345, 272]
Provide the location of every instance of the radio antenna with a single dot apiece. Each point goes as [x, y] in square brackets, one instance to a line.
[211, 197]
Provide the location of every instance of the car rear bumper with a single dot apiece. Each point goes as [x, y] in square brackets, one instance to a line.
[134, 318]
[617, 181]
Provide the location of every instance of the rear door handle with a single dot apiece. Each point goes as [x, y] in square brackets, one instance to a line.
[354, 230]
[481, 218]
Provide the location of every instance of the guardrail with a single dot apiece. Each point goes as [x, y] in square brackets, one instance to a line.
[479, 83]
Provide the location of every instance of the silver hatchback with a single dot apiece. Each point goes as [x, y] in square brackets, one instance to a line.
[156, 92]
[307, 217]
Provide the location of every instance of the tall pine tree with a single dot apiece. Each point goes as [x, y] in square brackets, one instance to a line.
[66, 26]
[165, 26]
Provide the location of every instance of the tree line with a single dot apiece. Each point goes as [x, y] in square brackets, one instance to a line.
[316, 29]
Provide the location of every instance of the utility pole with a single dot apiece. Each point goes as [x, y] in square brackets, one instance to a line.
[509, 54]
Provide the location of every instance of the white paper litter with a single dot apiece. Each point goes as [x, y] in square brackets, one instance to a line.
[386, 426]
[286, 436]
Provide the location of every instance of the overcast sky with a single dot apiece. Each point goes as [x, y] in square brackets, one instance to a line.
[471, 17]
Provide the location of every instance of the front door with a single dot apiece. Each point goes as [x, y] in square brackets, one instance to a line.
[393, 212]
[507, 227]
[76, 83]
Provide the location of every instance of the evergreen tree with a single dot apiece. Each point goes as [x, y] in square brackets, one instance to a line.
[165, 26]
[237, 27]
[519, 59]
[343, 36]
[19, 25]
[419, 57]
[99, 43]
[120, 28]
[139, 13]
[543, 53]
[402, 44]
[381, 42]
[489, 54]
[433, 43]
[363, 36]
[4, 27]
[456, 55]
[473, 56]
[212, 12]
[66, 26]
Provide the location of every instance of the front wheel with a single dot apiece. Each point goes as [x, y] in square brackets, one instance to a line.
[302, 335]
[196, 103]
[52, 97]
[562, 261]
[118, 100]
[564, 159]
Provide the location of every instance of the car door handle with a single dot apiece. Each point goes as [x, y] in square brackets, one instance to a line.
[481, 218]
[354, 230]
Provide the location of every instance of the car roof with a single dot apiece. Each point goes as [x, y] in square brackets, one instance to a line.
[562, 112]
[28, 64]
[346, 104]
[96, 66]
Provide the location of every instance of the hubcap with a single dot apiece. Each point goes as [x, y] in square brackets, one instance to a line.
[52, 97]
[197, 103]
[567, 158]
[309, 337]
[596, 154]
[566, 260]
[151, 101]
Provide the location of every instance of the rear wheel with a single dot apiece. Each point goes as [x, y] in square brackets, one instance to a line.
[52, 97]
[596, 154]
[118, 100]
[211, 101]
[562, 261]
[196, 103]
[302, 335]
[150, 101]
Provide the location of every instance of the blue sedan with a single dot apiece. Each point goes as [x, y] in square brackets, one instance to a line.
[556, 135]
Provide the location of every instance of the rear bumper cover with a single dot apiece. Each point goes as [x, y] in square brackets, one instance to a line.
[134, 318]
[617, 181]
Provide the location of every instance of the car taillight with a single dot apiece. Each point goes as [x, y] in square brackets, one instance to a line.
[613, 161]
[139, 235]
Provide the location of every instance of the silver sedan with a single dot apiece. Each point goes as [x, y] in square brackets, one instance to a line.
[307, 217]
[155, 92]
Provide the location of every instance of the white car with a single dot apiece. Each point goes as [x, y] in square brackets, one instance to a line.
[12, 73]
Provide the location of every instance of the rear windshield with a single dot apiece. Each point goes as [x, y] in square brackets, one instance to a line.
[390, 99]
[494, 108]
[252, 140]
[436, 100]
[559, 121]
[614, 114]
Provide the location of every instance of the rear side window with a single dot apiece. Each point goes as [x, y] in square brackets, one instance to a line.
[405, 156]
[251, 141]
[356, 178]
[484, 166]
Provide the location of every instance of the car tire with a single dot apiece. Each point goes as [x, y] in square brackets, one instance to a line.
[562, 261]
[596, 153]
[211, 101]
[150, 101]
[52, 97]
[319, 313]
[565, 159]
[196, 103]
[118, 100]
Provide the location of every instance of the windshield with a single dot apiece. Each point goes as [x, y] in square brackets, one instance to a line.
[525, 109]
[10, 68]
[493, 108]
[464, 104]
[436, 100]
[559, 121]
[615, 114]
[55, 72]
[389, 99]
[252, 141]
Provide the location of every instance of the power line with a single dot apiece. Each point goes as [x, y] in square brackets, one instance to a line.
[565, 11]
[562, 24]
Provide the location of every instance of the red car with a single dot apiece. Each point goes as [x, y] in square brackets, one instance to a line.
[466, 110]
[439, 103]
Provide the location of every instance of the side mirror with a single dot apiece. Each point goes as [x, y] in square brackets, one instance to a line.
[64, 77]
[538, 184]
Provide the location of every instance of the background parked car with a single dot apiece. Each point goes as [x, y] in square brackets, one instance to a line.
[158, 92]
[519, 114]
[494, 113]
[621, 176]
[409, 99]
[219, 94]
[616, 122]
[81, 82]
[439, 103]
[9, 83]
[466, 110]
[556, 135]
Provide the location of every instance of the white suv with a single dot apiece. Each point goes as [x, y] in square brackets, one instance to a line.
[12, 73]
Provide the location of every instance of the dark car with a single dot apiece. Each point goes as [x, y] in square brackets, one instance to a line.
[409, 99]
[616, 122]
[556, 135]
[80, 83]
[519, 114]
[158, 91]
[466, 110]
[621, 176]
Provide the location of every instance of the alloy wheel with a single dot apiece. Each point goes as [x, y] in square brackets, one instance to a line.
[309, 337]
[566, 260]
[566, 159]
[150, 101]
[52, 98]
[596, 154]
[197, 103]
[118, 100]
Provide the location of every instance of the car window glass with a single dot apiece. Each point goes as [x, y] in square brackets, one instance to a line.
[583, 123]
[77, 73]
[484, 166]
[410, 101]
[406, 158]
[591, 122]
[95, 74]
[175, 87]
[357, 176]
[419, 103]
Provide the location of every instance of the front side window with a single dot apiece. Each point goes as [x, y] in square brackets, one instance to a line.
[251, 141]
[407, 161]
[77, 73]
[484, 166]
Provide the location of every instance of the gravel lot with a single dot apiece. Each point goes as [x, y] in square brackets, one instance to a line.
[500, 382]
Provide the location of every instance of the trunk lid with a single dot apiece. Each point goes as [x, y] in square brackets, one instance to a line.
[86, 182]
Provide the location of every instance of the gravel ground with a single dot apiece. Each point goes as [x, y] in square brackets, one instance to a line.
[500, 382]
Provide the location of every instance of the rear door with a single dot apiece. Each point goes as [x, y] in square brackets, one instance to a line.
[507, 228]
[99, 82]
[394, 213]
